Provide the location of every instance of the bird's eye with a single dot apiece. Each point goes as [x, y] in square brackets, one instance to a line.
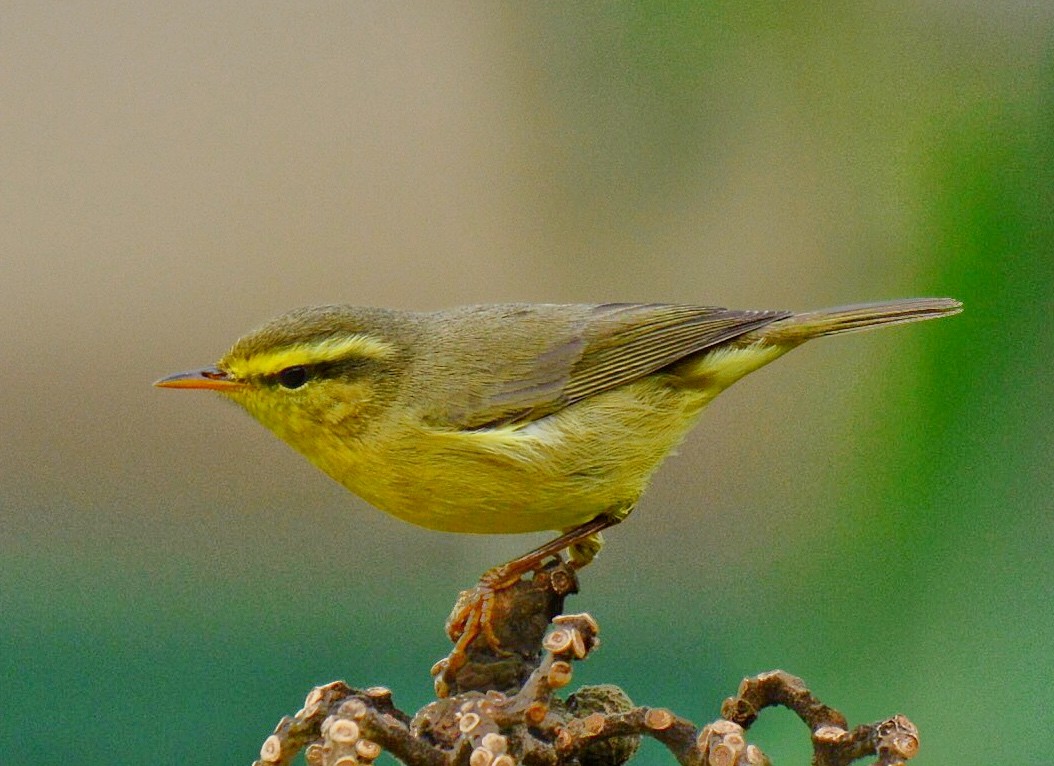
[292, 377]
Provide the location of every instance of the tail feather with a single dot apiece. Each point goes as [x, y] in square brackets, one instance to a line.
[861, 316]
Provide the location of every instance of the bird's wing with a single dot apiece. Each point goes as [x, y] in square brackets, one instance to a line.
[599, 348]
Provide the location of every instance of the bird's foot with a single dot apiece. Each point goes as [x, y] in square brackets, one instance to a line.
[473, 617]
[474, 613]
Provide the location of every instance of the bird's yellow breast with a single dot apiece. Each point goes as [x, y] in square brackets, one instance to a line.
[553, 473]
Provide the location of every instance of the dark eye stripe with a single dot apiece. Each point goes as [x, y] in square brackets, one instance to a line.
[295, 376]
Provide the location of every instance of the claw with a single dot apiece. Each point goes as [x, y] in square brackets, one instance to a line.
[473, 615]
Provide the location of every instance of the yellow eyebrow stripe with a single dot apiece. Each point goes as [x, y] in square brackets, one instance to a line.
[328, 350]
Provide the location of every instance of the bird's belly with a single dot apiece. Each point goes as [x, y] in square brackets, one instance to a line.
[489, 500]
[554, 473]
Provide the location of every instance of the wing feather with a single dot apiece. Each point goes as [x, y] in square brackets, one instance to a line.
[601, 348]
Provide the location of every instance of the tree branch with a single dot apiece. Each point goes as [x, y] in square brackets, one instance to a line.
[502, 708]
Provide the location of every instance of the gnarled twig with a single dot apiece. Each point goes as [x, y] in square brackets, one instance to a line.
[502, 708]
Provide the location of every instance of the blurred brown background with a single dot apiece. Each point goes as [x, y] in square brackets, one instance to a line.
[873, 513]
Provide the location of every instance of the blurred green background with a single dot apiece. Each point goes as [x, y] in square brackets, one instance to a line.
[872, 513]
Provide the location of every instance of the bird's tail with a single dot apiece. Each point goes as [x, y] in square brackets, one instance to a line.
[862, 316]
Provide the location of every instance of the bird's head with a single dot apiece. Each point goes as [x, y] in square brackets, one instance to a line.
[312, 375]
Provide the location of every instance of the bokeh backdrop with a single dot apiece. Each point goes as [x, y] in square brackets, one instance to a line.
[872, 513]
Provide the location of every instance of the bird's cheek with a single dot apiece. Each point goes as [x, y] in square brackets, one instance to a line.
[267, 411]
[347, 406]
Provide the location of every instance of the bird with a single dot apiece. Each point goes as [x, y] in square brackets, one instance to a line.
[508, 418]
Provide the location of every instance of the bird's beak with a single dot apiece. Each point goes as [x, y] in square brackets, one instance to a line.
[210, 378]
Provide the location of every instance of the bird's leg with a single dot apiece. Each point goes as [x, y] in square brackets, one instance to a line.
[472, 614]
